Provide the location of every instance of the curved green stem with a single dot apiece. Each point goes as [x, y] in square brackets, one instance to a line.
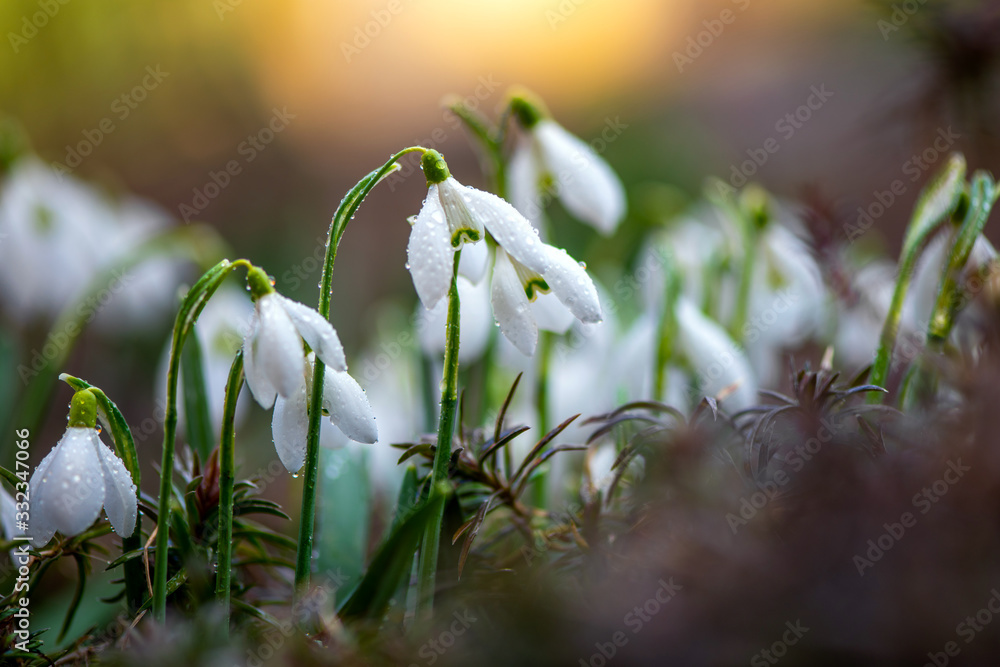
[442, 454]
[345, 211]
[191, 307]
[227, 480]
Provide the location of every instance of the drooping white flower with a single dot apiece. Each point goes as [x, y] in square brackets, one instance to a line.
[720, 367]
[343, 400]
[454, 216]
[583, 181]
[279, 373]
[73, 482]
[272, 350]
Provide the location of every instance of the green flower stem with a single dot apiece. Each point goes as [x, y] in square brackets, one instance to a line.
[190, 309]
[934, 207]
[667, 330]
[345, 211]
[111, 417]
[227, 480]
[442, 453]
[546, 344]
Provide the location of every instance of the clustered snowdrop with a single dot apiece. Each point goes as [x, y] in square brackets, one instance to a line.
[77, 478]
[279, 373]
[454, 216]
[547, 155]
[49, 219]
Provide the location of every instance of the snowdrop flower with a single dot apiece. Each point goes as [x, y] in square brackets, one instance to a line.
[53, 220]
[79, 477]
[278, 372]
[584, 182]
[515, 286]
[343, 400]
[720, 367]
[454, 216]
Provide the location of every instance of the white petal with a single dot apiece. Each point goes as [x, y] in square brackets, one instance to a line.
[290, 427]
[511, 307]
[523, 179]
[67, 489]
[550, 314]
[316, 331]
[260, 386]
[587, 186]
[277, 347]
[510, 229]
[348, 406]
[429, 254]
[475, 259]
[569, 281]
[8, 518]
[720, 367]
[120, 502]
[462, 224]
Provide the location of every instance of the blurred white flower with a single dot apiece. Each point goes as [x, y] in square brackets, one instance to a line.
[476, 322]
[73, 482]
[720, 368]
[583, 181]
[59, 234]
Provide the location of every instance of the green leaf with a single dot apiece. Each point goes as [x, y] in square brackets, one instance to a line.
[197, 416]
[344, 512]
[936, 203]
[392, 562]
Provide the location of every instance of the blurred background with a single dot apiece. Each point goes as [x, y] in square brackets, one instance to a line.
[346, 84]
[255, 118]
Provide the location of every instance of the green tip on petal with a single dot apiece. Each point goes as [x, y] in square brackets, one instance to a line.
[83, 409]
[434, 166]
[527, 109]
[259, 282]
